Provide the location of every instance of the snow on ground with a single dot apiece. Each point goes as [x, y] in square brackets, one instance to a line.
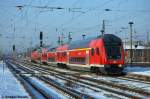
[120, 81]
[56, 79]
[52, 92]
[97, 93]
[65, 70]
[138, 70]
[10, 87]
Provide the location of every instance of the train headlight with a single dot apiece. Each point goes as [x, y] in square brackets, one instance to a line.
[120, 65]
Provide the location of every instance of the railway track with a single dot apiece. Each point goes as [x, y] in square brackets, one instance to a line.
[96, 83]
[67, 92]
[31, 88]
[127, 76]
[73, 93]
[138, 77]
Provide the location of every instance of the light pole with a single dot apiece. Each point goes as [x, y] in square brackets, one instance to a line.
[131, 52]
[69, 37]
[123, 36]
[103, 28]
[83, 36]
[1, 45]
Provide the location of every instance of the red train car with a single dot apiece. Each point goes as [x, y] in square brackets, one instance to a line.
[61, 54]
[44, 56]
[103, 53]
[51, 56]
[39, 55]
[35, 56]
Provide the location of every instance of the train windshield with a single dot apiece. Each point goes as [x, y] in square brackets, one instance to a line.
[113, 51]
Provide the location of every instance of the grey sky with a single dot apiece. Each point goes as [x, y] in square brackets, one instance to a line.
[22, 26]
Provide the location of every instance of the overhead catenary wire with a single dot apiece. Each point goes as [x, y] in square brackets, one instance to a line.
[81, 14]
[31, 11]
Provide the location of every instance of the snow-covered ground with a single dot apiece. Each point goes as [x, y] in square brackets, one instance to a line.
[97, 93]
[116, 80]
[10, 87]
[138, 70]
[51, 91]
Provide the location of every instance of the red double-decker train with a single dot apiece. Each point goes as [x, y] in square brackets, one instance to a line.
[103, 54]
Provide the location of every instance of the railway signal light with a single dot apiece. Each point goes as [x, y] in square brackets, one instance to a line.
[41, 43]
[41, 35]
[83, 36]
[41, 39]
[14, 48]
[69, 37]
[135, 46]
[59, 40]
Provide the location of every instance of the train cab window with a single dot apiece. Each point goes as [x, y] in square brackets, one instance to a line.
[97, 51]
[113, 52]
[92, 51]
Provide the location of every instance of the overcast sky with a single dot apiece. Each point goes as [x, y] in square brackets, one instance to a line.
[22, 20]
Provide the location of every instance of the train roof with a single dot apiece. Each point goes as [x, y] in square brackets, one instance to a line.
[52, 49]
[37, 49]
[80, 43]
[40, 49]
[108, 38]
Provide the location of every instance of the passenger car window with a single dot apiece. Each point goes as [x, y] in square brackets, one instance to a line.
[92, 51]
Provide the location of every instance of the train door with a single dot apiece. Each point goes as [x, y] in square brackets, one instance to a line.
[58, 57]
[95, 56]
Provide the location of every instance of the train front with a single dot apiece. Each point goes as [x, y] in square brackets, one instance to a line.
[114, 54]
